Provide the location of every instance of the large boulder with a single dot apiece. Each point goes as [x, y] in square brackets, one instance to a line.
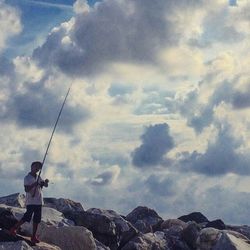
[23, 245]
[13, 200]
[190, 234]
[245, 230]
[18, 245]
[7, 219]
[145, 219]
[149, 241]
[231, 241]
[107, 226]
[71, 237]
[195, 216]
[208, 238]
[5, 236]
[218, 224]
[167, 224]
[63, 205]
[10, 215]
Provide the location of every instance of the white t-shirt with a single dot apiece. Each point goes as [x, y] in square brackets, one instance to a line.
[38, 197]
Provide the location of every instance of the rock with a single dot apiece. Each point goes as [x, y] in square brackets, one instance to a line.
[190, 234]
[195, 216]
[143, 226]
[173, 222]
[245, 230]
[100, 246]
[144, 219]
[231, 242]
[237, 234]
[7, 219]
[14, 200]
[45, 246]
[5, 236]
[22, 245]
[71, 237]
[208, 238]
[18, 245]
[149, 241]
[218, 224]
[107, 226]
[63, 205]
[50, 216]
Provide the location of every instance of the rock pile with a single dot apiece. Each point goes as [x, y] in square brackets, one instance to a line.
[66, 225]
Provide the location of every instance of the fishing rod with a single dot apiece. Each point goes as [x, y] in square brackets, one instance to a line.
[54, 129]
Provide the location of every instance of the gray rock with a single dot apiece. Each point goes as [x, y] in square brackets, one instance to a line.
[145, 219]
[63, 205]
[19, 245]
[7, 219]
[218, 224]
[190, 234]
[100, 246]
[167, 224]
[149, 241]
[195, 216]
[208, 238]
[71, 237]
[245, 230]
[107, 226]
[6, 237]
[231, 241]
[14, 200]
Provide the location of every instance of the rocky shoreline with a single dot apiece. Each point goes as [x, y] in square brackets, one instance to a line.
[66, 225]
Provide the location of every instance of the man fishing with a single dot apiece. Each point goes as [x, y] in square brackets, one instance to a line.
[33, 185]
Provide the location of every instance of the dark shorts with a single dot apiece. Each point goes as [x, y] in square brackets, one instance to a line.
[33, 209]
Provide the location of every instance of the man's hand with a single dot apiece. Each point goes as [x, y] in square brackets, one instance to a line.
[44, 183]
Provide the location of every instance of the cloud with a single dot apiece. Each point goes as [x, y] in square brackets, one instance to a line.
[113, 31]
[37, 106]
[156, 142]
[161, 186]
[241, 100]
[107, 177]
[10, 23]
[221, 157]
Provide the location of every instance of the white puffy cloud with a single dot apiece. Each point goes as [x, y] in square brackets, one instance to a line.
[10, 23]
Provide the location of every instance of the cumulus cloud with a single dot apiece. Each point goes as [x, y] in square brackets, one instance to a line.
[113, 31]
[107, 177]
[156, 142]
[162, 186]
[40, 109]
[222, 156]
[10, 23]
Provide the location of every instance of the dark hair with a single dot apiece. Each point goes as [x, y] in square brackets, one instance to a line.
[36, 163]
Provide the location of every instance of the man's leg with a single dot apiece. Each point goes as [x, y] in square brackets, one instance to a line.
[36, 220]
[26, 218]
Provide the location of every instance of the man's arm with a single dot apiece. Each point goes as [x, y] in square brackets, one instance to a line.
[27, 188]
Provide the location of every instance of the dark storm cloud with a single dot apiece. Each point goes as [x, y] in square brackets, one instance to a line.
[113, 31]
[221, 156]
[38, 107]
[156, 142]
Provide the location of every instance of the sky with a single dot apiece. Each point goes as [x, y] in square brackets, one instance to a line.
[158, 112]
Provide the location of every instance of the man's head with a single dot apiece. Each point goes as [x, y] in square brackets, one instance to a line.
[36, 166]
